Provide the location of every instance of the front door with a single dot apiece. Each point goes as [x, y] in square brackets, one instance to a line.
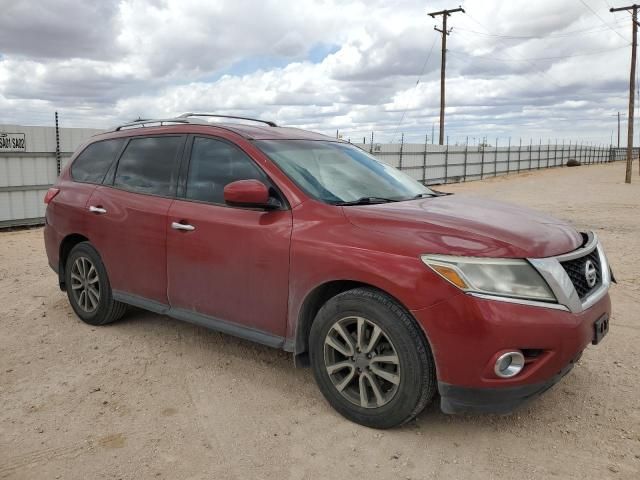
[225, 263]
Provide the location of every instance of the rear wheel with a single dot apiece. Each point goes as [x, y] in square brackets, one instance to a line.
[88, 287]
[370, 359]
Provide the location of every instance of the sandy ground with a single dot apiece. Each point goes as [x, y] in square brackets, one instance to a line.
[150, 397]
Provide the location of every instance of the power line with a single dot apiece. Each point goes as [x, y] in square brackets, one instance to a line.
[531, 64]
[602, 20]
[533, 59]
[534, 37]
[424, 66]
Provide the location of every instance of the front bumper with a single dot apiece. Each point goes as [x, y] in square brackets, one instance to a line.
[456, 400]
[469, 331]
[467, 334]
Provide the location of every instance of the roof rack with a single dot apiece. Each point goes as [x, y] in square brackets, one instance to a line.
[144, 123]
[267, 122]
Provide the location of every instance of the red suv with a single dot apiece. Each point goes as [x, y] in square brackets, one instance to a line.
[391, 292]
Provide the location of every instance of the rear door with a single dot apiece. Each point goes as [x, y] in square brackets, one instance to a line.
[129, 221]
[233, 265]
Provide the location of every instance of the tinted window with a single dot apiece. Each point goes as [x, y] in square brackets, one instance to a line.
[148, 165]
[92, 164]
[215, 164]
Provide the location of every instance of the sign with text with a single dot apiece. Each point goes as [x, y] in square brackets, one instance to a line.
[12, 142]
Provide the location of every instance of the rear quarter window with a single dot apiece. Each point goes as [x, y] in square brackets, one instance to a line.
[92, 164]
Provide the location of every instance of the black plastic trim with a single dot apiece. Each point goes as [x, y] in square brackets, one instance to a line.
[53, 267]
[206, 321]
[455, 399]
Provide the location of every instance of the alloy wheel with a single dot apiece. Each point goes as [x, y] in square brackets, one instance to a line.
[85, 284]
[362, 362]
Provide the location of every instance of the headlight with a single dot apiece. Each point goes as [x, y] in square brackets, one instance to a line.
[494, 276]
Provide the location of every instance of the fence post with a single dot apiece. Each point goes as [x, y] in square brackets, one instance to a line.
[548, 152]
[509, 157]
[401, 147]
[58, 159]
[530, 153]
[600, 150]
[579, 154]
[446, 162]
[371, 144]
[539, 148]
[482, 161]
[495, 160]
[424, 160]
[519, 154]
[587, 154]
[575, 148]
[466, 148]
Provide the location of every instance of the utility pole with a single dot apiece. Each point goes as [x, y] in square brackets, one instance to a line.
[443, 64]
[632, 89]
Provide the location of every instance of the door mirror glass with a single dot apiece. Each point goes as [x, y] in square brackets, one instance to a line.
[249, 193]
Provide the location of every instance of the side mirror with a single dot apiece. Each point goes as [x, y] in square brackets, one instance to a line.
[249, 193]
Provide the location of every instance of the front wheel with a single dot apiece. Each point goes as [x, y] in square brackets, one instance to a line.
[370, 359]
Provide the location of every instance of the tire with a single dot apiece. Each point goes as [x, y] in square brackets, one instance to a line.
[404, 388]
[85, 272]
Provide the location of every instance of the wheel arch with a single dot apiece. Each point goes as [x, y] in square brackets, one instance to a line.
[312, 303]
[66, 246]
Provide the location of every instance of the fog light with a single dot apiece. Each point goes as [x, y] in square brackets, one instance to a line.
[509, 364]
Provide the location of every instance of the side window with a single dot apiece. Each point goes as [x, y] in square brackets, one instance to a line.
[94, 161]
[148, 165]
[213, 165]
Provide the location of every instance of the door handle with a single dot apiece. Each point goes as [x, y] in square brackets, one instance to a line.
[98, 210]
[182, 226]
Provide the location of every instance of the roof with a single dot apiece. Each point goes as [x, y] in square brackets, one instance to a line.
[273, 133]
[190, 122]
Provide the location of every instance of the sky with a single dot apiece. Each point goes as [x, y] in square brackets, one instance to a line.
[542, 69]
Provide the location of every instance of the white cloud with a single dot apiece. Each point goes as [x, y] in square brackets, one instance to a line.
[120, 60]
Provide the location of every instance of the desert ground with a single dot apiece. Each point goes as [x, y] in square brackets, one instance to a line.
[151, 397]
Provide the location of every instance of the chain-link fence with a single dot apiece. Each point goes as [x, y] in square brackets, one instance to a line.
[434, 164]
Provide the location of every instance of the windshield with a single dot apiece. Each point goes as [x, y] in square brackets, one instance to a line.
[340, 173]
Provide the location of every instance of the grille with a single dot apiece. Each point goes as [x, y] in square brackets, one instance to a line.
[575, 269]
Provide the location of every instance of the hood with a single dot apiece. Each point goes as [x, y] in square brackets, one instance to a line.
[470, 226]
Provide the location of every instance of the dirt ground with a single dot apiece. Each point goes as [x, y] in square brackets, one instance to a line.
[151, 397]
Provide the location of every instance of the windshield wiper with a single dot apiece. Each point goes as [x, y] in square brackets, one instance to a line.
[434, 194]
[426, 195]
[367, 201]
